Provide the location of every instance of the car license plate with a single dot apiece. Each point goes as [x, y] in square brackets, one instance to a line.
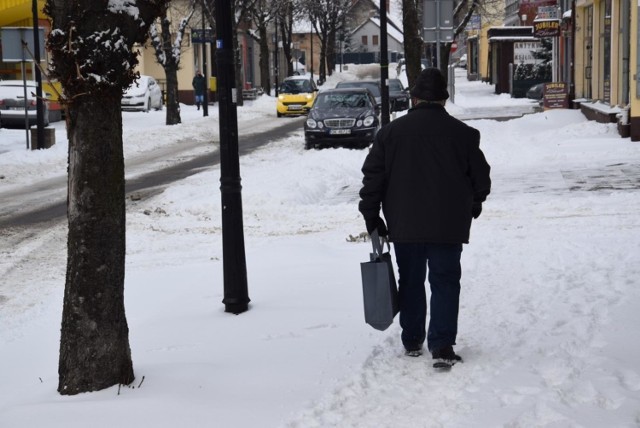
[295, 107]
[340, 131]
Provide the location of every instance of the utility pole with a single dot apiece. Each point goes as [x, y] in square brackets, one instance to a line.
[236, 295]
[205, 101]
[36, 67]
[384, 62]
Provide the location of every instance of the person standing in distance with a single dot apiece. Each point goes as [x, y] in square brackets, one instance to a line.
[198, 84]
[427, 172]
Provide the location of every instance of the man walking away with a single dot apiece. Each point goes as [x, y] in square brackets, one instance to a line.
[199, 87]
[427, 172]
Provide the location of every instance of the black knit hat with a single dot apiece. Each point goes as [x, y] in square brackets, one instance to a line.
[430, 86]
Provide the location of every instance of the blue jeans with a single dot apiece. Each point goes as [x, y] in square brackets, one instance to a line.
[199, 99]
[444, 278]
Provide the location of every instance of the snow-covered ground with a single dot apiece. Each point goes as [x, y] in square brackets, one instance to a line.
[548, 321]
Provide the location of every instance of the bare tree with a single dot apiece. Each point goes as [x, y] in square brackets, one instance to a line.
[93, 57]
[262, 14]
[327, 17]
[241, 8]
[167, 44]
[285, 25]
[413, 44]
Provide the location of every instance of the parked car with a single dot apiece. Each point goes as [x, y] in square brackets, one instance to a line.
[345, 117]
[298, 68]
[295, 96]
[401, 67]
[536, 91]
[12, 103]
[462, 62]
[143, 95]
[398, 96]
[371, 85]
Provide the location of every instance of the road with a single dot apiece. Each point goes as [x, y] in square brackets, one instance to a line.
[45, 202]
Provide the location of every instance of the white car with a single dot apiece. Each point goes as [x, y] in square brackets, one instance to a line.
[12, 102]
[144, 94]
[298, 68]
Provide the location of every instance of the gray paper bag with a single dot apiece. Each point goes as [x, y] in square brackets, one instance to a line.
[379, 287]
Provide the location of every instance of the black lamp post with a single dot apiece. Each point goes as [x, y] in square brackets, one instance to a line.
[205, 100]
[384, 62]
[236, 295]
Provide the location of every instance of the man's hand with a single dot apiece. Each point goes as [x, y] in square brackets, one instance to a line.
[377, 223]
[476, 209]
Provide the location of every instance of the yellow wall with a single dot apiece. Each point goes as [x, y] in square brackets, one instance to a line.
[18, 12]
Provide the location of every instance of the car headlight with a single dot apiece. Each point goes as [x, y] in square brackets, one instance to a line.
[368, 121]
[281, 97]
[309, 96]
[320, 124]
[311, 123]
[359, 123]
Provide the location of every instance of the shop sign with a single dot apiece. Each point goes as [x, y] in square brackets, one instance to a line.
[546, 28]
[556, 95]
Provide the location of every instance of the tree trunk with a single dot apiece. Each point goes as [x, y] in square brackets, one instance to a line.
[443, 61]
[171, 73]
[331, 52]
[173, 101]
[322, 71]
[285, 39]
[92, 56]
[412, 41]
[238, 71]
[94, 344]
[265, 77]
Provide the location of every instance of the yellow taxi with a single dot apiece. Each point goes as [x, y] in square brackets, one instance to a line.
[296, 95]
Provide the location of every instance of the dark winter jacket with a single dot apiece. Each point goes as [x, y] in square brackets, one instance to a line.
[427, 170]
[198, 84]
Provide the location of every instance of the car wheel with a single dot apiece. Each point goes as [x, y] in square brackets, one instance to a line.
[147, 105]
[279, 114]
[160, 105]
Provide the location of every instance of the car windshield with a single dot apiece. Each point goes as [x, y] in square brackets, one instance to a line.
[374, 88]
[395, 85]
[338, 100]
[295, 86]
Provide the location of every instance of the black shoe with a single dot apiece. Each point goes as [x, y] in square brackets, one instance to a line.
[413, 349]
[413, 352]
[446, 354]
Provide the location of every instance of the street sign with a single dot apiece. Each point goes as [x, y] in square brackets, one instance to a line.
[12, 49]
[437, 21]
[202, 36]
[475, 23]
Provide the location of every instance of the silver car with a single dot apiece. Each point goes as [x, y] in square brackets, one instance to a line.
[12, 103]
[144, 94]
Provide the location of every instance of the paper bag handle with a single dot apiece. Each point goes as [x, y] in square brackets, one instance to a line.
[378, 243]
